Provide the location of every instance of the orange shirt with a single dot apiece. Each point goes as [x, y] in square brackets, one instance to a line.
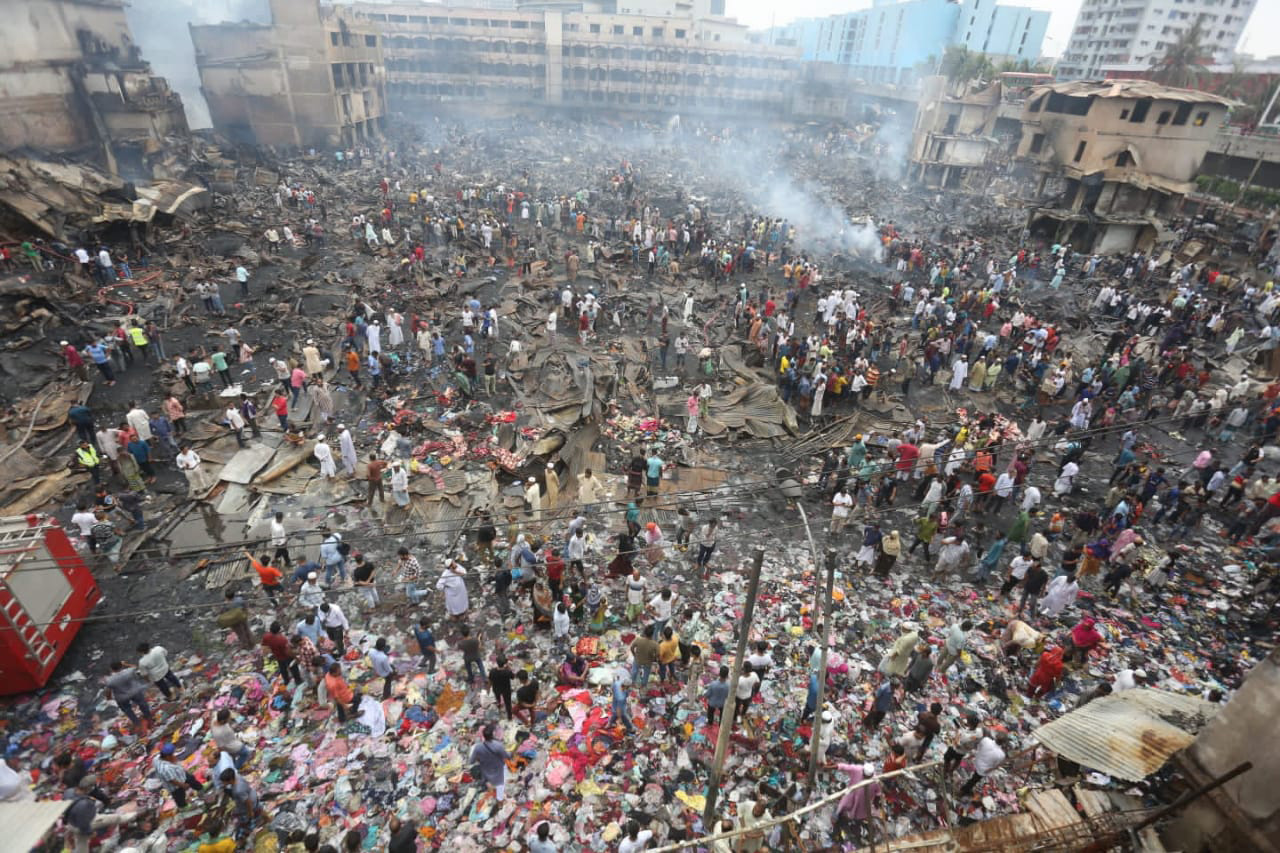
[270, 575]
[337, 688]
[353, 361]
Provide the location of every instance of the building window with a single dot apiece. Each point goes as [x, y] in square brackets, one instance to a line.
[595, 28]
[1201, 118]
[618, 29]
[1124, 158]
[370, 41]
[1079, 152]
[1140, 109]
[1037, 143]
[679, 34]
[1183, 113]
[1124, 114]
[519, 25]
[1164, 117]
[637, 31]
[333, 39]
[657, 32]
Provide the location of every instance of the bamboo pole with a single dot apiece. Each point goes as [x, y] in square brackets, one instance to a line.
[777, 821]
[729, 711]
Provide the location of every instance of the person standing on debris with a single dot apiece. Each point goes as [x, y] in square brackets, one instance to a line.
[954, 642]
[347, 447]
[128, 689]
[235, 423]
[399, 484]
[362, 578]
[173, 776]
[324, 455]
[453, 584]
[276, 643]
[82, 817]
[235, 617]
[224, 737]
[89, 459]
[491, 757]
[333, 553]
[154, 666]
[101, 359]
[189, 463]
[335, 625]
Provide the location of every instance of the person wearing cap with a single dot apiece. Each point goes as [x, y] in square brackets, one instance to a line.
[1128, 679]
[311, 358]
[75, 361]
[347, 449]
[399, 483]
[855, 807]
[552, 481]
[454, 586]
[533, 497]
[310, 593]
[324, 455]
[333, 553]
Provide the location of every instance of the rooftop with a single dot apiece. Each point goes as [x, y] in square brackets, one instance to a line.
[1131, 89]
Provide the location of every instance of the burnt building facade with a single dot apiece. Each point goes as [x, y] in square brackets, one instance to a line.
[73, 80]
[1110, 159]
[313, 77]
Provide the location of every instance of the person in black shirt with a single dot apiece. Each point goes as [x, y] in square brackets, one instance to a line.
[486, 533]
[526, 696]
[1032, 585]
[501, 580]
[500, 682]
[362, 578]
[635, 475]
[404, 836]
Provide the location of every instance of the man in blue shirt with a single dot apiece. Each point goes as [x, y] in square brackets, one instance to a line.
[98, 353]
[653, 473]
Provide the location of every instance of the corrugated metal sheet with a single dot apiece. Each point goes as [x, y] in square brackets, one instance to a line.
[1131, 89]
[26, 822]
[1130, 734]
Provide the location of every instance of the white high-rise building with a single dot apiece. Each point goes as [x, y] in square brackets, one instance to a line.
[1122, 37]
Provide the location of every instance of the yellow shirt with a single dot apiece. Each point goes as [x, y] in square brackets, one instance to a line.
[783, 365]
[225, 845]
[669, 650]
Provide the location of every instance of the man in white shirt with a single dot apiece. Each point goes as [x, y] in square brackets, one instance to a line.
[335, 624]
[660, 608]
[311, 594]
[188, 462]
[841, 504]
[748, 681]
[235, 423]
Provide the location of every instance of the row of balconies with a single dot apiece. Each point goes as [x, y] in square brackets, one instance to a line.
[724, 58]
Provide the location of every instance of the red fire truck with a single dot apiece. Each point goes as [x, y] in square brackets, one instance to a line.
[45, 592]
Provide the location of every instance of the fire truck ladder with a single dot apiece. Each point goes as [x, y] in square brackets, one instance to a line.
[40, 648]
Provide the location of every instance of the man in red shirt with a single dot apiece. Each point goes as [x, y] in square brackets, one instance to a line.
[555, 574]
[986, 483]
[907, 456]
[278, 645]
[280, 405]
[268, 574]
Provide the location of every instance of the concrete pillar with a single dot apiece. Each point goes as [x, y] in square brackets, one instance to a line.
[553, 29]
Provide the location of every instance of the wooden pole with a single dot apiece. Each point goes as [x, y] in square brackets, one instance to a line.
[729, 711]
[706, 840]
[812, 779]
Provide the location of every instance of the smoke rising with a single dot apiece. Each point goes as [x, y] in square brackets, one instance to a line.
[160, 29]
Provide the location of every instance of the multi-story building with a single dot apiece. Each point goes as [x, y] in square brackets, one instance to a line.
[73, 79]
[953, 138]
[1121, 37]
[891, 40]
[313, 77]
[1111, 157]
[671, 55]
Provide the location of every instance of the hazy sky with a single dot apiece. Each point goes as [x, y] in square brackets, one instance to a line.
[763, 13]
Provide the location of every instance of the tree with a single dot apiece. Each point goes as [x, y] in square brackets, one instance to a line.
[960, 65]
[1181, 64]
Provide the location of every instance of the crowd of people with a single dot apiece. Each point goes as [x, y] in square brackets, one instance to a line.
[1030, 487]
